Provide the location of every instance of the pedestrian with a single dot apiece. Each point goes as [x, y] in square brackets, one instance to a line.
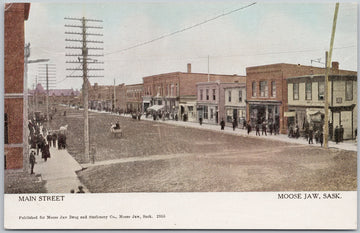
[311, 136]
[32, 161]
[54, 138]
[81, 189]
[72, 191]
[271, 128]
[257, 128]
[355, 134]
[337, 136]
[297, 131]
[234, 123]
[263, 129]
[49, 139]
[222, 124]
[248, 127]
[321, 138]
[200, 120]
[341, 133]
[45, 153]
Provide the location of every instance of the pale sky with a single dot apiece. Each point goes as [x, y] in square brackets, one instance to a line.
[264, 33]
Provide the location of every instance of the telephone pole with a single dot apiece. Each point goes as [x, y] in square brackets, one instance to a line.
[327, 71]
[85, 60]
[47, 74]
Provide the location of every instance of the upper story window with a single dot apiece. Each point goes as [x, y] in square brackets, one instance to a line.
[201, 94]
[214, 94]
[273, 89]
[253, 89]
[348, 90]
[296, 91]
[240, 96]
[308, 90]
[321, 90]
[207, 94]
[229, 93]
[263, 89]
[6, 129]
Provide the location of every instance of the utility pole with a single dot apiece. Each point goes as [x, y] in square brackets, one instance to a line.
[47, 76]
[327, 71]
[84, 59]
[114, 96]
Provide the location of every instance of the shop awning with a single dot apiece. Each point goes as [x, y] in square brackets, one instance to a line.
[155, 108]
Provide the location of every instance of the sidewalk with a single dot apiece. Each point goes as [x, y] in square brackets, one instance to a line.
[347, 145]
[59, 172]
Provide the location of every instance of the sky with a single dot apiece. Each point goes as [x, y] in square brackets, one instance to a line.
[263, 33]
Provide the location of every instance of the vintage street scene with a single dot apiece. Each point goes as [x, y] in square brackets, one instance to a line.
[218, 96]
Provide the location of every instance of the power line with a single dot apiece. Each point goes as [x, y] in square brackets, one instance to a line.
[182, 30]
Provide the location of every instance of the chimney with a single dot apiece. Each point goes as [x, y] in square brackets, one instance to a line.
[335, 65]
[189, 67]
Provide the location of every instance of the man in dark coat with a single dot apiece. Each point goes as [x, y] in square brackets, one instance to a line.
[54, 139]
[222, 124]
[49, 139]
[248, 127]
[257, 128]
[45, 152]
[234, 123]
[321, 138]
[200, 120]
[263, 129]
[32, 161]
[311, 132]
[336, 134]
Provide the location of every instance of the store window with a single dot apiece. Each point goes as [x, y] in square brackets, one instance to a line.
[206, 114]
[349, 90]
[263, 89]
[253, 89]
[295, 91]
[273, 89]
[308, 90]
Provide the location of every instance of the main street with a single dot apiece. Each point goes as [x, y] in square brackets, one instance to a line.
[156, 157]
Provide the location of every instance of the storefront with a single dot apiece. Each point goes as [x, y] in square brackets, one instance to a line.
[208, 113]
[238, 113]
[264, 112]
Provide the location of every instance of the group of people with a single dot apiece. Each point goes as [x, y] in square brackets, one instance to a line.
[264, 126]
[339, 134]
[40, 141]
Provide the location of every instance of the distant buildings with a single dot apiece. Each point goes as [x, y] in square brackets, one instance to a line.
[134, 99]
[176, 92]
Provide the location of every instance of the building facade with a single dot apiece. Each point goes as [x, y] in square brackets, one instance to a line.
[267, 92]
[101, 97]
[176, 92]
[235, 104]
[134, 95]
[306, 103]
[15, 156]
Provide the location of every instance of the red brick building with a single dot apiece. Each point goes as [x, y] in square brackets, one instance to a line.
[267, 90]
[176, 92]
[134, 95]
[15, 15]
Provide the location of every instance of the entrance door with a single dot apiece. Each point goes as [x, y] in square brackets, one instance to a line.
[235, 114]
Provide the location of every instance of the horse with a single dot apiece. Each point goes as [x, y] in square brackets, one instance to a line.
[114, 131]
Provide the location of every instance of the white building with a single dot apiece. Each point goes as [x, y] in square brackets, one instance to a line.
[235, 104]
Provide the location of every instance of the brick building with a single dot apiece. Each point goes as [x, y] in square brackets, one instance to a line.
[176, 92]
[267, 90]
[14, 39]
[134, 95]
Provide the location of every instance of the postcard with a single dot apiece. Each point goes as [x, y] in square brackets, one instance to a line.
[180, 115]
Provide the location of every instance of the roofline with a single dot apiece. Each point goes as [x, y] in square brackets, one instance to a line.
[178, 72]
[323, 75]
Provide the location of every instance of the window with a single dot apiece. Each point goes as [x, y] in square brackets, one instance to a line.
[211, 113]
[349, 90]
[207, 94]
[229, 93]
[206, 114]
[295, 91]
[308, 90]
[254, 89]
[214, 94]
[240, 96]
[321, 90]
[6, 129]
[263, 89]
[201, 94]
[273, 89]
